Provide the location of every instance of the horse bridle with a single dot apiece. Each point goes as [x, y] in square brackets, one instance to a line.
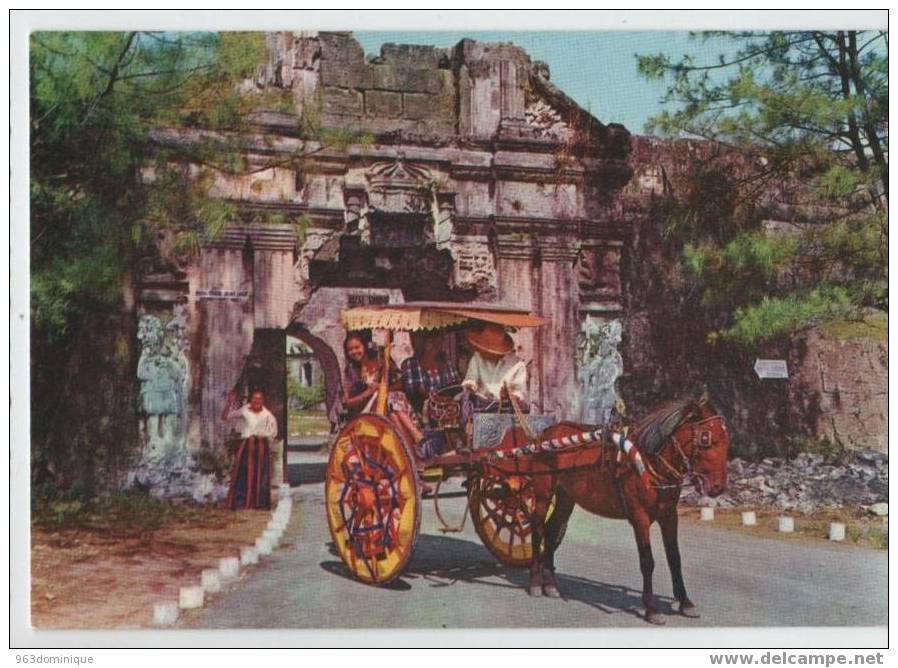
[701, 436]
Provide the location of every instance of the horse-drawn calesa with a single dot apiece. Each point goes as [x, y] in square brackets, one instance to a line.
[524, 473]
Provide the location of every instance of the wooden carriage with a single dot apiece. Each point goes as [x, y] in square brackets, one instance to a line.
[373, 482]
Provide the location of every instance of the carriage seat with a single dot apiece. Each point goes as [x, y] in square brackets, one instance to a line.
[490, 428]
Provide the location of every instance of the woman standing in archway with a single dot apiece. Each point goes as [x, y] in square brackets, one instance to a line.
[251, 475]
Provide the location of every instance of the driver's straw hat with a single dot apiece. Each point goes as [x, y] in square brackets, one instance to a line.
[492, 339]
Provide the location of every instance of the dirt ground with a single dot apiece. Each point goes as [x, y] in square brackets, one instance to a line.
[90, 579]
[861, 528]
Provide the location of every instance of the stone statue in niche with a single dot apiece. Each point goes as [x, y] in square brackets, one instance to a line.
[164, 383]
[166, 467]
[599, 365]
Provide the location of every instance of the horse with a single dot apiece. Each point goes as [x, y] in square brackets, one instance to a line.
[683, 439]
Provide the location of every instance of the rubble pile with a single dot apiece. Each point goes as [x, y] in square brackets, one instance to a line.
[804, 484]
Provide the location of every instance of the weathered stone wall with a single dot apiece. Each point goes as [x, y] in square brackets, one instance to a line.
[840, 385]
[408, 88]
[664, 348]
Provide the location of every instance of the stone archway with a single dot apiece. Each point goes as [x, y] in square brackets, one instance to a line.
[330, 366]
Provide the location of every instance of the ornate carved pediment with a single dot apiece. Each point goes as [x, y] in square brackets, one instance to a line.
[398, 173]
[398, 186]
[546, 122]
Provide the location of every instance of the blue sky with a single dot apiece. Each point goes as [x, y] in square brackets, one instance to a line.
[597, 69]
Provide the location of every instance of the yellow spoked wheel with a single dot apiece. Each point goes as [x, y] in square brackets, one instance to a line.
[501, 507]
[373, 499]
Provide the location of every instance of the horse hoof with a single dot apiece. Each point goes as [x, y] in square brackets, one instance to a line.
[535, 591]
[654, 618]
[551, 592]
[689, 611]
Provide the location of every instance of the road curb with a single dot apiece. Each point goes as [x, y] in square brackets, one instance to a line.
[193, 597]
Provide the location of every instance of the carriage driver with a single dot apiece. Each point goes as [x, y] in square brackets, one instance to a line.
[494, 368]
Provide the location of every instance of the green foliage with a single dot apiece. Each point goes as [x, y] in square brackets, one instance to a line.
[133, 138]
[774, 317]
[110, 165]
[743, 268]
[810, 97]
[831, 451]
[879, 538]
[301, 397]
[804, 108]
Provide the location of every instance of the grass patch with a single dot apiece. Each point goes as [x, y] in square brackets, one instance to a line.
[125, 513]
[861, 528]
[879, 538]
[874, 325]
[307, 423]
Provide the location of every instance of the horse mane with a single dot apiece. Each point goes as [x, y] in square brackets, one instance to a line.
[652, 431]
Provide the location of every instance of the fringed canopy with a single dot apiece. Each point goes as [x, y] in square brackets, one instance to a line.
[394, 320]
[417, 316]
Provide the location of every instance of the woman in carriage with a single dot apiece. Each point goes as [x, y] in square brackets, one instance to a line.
[361, 382]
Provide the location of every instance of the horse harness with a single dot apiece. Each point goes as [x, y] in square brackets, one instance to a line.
[701, 435]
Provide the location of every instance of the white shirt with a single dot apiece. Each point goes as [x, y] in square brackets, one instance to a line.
[262, 424]
[487, 377]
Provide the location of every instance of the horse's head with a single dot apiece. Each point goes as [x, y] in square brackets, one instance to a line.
[705, 440]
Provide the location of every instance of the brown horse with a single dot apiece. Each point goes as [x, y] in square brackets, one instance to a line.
[682, 440]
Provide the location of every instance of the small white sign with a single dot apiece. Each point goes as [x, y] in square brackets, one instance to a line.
[771, 369]
[222, 294]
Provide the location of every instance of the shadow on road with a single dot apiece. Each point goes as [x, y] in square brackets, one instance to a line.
[306, 473]
[441, 561]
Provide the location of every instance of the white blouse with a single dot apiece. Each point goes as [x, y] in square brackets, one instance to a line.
[262, 424]
[487, 378]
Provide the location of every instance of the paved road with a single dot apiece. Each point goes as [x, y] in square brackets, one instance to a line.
[453, 582]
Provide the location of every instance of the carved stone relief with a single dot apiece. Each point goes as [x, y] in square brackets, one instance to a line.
[599, 365]
[474, 266]
[399, 186]
[546, 122]
[165, 466]
[598, 272]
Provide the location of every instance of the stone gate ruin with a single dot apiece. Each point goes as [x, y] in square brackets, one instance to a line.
[479, 181]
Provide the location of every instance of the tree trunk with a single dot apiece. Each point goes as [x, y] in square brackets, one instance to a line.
[869, 126]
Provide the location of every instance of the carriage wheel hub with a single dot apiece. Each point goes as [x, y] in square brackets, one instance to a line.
[366, 498]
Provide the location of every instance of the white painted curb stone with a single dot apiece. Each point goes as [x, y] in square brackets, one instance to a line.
[836, 531]
[211, 580]
[165, 614]
[229, 568]
[749, 518]
[248, 555]
[707, 514]
[263, 546]
[787, 525]
[191, 597]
